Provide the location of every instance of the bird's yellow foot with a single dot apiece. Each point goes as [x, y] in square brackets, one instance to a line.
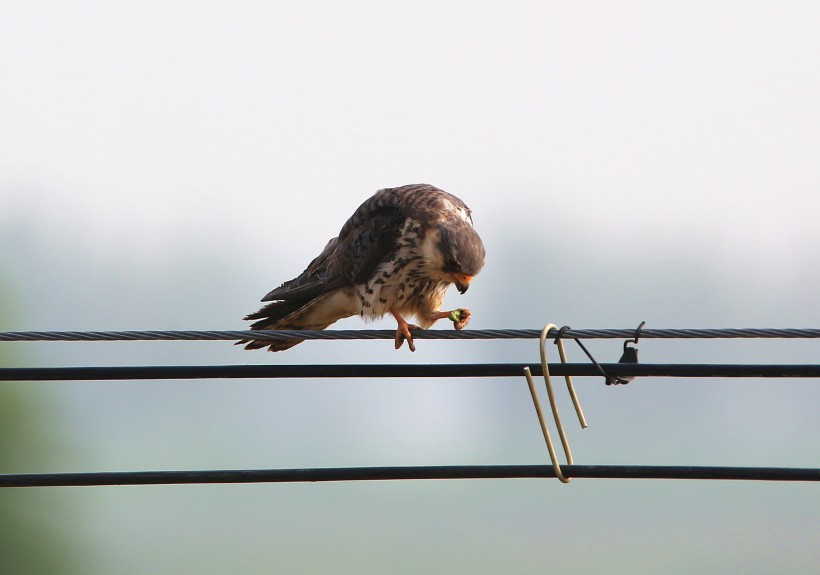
[403, 331]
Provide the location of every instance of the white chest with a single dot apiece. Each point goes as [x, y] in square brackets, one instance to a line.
[393, 284]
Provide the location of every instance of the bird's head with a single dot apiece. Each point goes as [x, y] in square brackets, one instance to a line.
[460, 253]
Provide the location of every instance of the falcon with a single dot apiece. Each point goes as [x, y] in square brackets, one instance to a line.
[398, 253]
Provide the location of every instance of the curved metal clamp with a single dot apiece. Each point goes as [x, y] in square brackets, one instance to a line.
[541, 420]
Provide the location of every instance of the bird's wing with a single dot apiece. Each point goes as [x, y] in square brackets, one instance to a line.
[315, 280]
[368, 238]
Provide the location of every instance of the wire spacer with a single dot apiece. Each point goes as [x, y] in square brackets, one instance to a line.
[556, 466]
[630, 355]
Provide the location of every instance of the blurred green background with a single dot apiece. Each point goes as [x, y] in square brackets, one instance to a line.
[164, 165]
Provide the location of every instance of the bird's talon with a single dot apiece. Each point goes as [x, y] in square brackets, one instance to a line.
[403, 333]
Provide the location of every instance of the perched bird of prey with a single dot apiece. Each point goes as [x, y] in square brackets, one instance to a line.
[398, 253]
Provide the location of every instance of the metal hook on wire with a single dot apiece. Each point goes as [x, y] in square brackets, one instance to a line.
[630, 355]
[541, 420]
[637, 334]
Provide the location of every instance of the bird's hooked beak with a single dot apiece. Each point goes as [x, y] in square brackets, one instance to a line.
[462, 282]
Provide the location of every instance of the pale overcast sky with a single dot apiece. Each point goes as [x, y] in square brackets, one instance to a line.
[165, 164]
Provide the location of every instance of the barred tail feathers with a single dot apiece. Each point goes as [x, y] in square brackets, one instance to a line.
[315, 313]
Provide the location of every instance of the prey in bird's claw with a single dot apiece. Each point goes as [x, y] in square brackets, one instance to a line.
[460, 317]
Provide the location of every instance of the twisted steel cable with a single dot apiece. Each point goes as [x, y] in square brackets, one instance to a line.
[359, 334]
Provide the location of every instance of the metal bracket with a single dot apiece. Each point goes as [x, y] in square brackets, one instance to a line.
[541, 420]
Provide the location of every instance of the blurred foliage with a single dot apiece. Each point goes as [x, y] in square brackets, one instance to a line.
[37, 530]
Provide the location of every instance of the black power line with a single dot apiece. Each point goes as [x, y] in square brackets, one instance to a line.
[400, 370]
[399, 473]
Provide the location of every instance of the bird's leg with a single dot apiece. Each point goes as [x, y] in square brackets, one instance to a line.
[460, 317]
[403, 331]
